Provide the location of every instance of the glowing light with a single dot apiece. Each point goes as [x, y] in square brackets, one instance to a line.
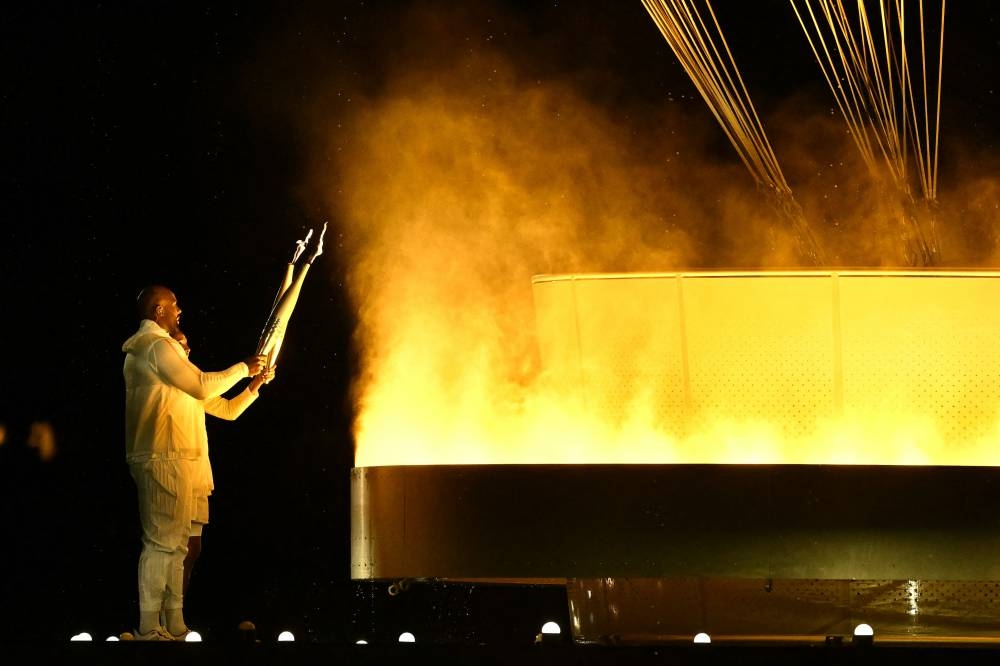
[912, 597]
[361, 641]
[286, 636]
[407, 637]
[879, 389]
[551, 628]
[192, 637]
[864, 629]
[82, 636]
[702, 637]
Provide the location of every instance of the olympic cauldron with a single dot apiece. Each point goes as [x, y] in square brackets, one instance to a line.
[871, 495]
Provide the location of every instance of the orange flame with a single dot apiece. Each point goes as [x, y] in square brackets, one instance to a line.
[455, 188]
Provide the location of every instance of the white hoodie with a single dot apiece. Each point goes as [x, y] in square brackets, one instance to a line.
[164, 415]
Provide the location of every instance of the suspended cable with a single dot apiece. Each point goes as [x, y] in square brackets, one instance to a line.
[876, 96]
[703, 52]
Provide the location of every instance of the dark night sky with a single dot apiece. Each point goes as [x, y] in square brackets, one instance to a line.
[161, 142]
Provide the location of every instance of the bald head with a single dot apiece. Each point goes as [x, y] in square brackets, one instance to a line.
[152, 297]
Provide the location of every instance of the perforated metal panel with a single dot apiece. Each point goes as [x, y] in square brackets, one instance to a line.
[908, 360]
[649, 610]
[616, 377]
[926, 347]
[760, 350]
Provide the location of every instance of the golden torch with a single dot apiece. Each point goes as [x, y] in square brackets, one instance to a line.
[284, 302]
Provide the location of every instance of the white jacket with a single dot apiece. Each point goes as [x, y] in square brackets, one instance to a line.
[164, 413]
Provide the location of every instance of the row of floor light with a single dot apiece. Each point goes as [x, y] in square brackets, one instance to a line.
[549, 629]
[862, 632]
[191, 637]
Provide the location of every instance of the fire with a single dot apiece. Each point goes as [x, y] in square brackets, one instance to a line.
[452, 191]
[752, 368]
[784, 367]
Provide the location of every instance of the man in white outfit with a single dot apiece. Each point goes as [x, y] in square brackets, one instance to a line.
[164, 433]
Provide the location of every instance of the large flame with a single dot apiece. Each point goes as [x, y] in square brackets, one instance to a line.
[456, 184]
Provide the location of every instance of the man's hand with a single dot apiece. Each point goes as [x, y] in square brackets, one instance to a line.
[256, 363]
[259, 380]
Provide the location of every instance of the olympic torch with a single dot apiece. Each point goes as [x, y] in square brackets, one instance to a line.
[300, 247]
[284, 303]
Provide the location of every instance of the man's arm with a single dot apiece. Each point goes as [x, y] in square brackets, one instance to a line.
[174, 368]
[231, 408]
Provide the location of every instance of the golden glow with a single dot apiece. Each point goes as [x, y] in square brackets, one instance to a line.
[769, 367]
[709, 368]
[457, 183]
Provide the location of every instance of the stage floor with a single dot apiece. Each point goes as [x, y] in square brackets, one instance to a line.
[291, 654]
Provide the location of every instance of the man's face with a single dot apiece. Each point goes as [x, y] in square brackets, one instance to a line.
[169, 314]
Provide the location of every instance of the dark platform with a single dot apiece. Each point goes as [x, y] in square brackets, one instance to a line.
[293, 654]
[654, 553]
[832, 522]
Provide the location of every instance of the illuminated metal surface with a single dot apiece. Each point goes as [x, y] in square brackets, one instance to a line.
[650, 610]
[869, 402]
[656, 552]
[782, 367]
[743, 521]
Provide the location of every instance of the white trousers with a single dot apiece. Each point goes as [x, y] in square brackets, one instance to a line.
[166, 508]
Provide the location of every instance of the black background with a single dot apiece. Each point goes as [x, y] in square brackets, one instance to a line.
[153, 142]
